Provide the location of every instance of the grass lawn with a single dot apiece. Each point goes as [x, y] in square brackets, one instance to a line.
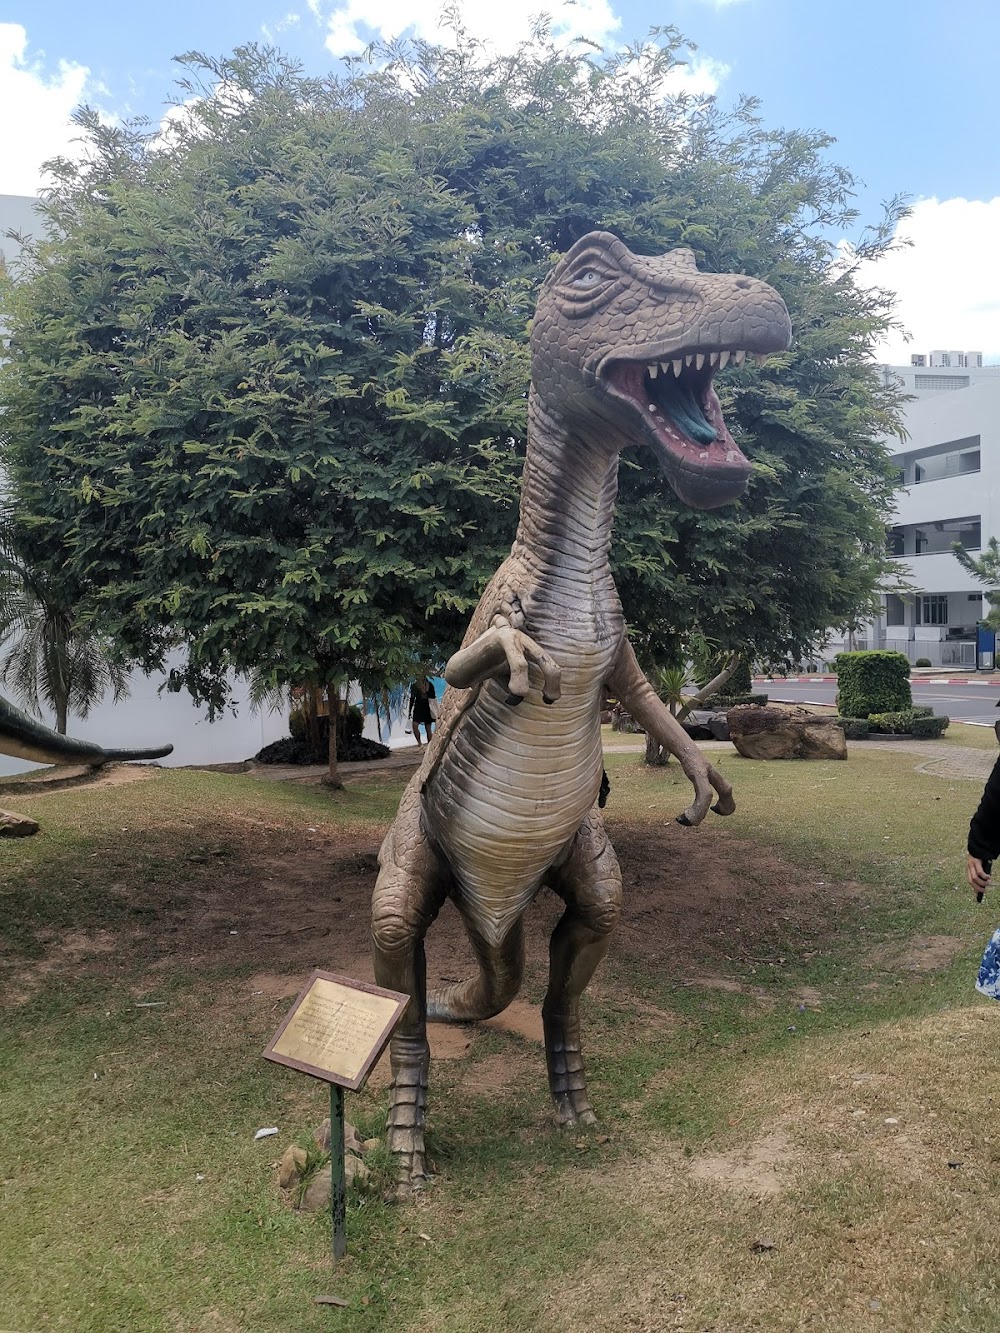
[796, 1081]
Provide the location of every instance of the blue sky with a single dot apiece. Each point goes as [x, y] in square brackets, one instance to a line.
[909, 90]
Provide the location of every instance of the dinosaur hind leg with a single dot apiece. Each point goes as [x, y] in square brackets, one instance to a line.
[408, 894]
[590, 883]
[491, 989]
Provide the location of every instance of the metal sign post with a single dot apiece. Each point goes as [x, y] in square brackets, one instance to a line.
[339, 1192]
[335, 1031]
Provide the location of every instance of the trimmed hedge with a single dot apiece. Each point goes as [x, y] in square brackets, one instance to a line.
[855, 728]
[929, 728]
[894, 724]
[735, 700]
[872, 682]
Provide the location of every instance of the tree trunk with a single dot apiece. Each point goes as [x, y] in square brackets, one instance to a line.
[312, 720]
[333, 710]
[656, 755]
[713, 687]
[62, 712]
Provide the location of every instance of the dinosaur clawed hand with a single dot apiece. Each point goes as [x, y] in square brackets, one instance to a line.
[704, 779]
[503, 649]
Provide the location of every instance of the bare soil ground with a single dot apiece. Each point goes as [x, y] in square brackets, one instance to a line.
[269, 903]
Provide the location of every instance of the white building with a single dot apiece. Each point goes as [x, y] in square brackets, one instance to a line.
[950, 467]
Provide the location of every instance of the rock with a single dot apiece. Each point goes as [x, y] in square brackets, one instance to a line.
[706, 724]
[291, 1166]
[16, 826]
[773, 733]
[319, 1191]
[369, 1144]
[352, 1139]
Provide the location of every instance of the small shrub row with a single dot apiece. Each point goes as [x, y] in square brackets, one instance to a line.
[929, 728]
[855, 728]
[735, 700]
[918, 722]
[894, 723]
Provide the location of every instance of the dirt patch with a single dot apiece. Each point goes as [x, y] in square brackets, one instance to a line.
[759, 1168]
[268, 903]
[927, 953]
[492, 1074]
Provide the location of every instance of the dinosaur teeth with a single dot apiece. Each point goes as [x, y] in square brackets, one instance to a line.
[713, 360]
[653, 370]
[652, 407]
[678, 366]
[689, 358]
[723, 360]
[699, 361]
[739, 358]
[760, 357]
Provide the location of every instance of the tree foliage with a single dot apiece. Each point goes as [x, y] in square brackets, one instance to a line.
[48, 659]
[267, 381]
[986, 568]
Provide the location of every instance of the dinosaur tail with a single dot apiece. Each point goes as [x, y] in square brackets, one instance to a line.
[23, 737]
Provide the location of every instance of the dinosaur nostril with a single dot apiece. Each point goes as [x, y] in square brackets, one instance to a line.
[744, 282]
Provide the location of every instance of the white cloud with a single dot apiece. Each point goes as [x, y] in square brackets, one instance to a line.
[35, 108]
[352, 24]
[947, 281]
[701, 76]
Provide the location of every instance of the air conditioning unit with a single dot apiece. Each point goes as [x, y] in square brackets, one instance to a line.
[918, 359]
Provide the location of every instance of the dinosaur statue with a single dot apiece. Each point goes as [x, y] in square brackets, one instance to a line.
[23, 737]
[624, 349]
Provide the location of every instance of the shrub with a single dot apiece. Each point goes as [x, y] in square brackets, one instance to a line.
[872, 682]
[922, 661]
[855, 728]
[929, 728]
[735, 700]
[893, 724]
[922, 710]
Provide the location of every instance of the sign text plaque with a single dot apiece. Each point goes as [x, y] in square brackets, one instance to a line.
[337, 1029]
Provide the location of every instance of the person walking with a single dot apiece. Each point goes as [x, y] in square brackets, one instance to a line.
[423, 704]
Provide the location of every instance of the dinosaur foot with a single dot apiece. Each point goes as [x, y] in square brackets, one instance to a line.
[405, 1130]
[573, 1109]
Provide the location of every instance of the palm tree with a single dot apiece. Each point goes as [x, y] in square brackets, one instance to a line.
[46, 658]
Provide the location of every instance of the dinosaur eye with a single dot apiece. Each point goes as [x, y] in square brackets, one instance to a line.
[589, 278]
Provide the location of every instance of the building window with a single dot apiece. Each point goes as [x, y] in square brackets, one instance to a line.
[932, 609]
[954, 463]
[938, 538]
[895, 541]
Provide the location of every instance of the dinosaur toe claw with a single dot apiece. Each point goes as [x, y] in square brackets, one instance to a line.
[514, 699]
[683, 819]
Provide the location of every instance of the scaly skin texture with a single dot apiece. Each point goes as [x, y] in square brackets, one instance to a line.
[23, 737]
[623, 352]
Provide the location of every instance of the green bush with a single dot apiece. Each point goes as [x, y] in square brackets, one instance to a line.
[893, 724]
[922, 710]
[855, 728]
[922, 661]
[872, 682]
[929, 728]
[735, 700]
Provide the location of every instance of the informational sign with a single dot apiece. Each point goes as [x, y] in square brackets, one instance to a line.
[337, 1029]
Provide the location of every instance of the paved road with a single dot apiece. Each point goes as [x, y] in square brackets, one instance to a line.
[962, 703]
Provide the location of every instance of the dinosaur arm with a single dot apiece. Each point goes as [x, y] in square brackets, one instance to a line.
[629, 685]
[502, 648]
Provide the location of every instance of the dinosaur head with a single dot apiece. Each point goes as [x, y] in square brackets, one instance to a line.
[634, 342]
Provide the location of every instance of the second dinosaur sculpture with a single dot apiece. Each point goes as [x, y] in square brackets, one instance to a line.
[624, 350]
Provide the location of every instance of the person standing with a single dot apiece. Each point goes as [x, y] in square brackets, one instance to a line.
[983, 845]
[421, 710]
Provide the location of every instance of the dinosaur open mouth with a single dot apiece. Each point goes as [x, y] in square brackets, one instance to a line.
[680, 409]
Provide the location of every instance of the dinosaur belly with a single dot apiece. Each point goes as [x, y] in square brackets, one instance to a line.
[515, 785]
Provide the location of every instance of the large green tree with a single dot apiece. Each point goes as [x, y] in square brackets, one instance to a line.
[267, 382]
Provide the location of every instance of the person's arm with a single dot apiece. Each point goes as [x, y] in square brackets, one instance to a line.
[984, 833]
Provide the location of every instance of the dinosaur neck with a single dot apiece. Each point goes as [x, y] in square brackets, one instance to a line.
[567, 499]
